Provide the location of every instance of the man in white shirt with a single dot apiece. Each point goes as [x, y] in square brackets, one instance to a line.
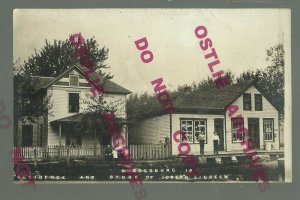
[115, 154]
[201, 139]
[216, 140]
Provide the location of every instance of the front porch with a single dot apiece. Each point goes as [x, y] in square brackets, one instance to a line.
[65, 133]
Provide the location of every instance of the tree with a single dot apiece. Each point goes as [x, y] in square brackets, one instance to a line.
[50, 61]
[91, 122]
[209, 82]
[142, 104]
[276, 55]
[29, 103]
[249, 75]
[53, 59]
[276, 68]
[271, 79]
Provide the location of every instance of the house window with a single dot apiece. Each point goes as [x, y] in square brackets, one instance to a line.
[258, 102]
[74, 80]
[237, 123]
[268, 129]
[73, 102]
[191, 128]
[247, 101]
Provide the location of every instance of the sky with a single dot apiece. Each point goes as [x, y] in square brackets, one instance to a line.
[239, 36]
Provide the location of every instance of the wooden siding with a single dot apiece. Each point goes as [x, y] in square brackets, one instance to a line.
[150, 131]
[195, 148]
[153, 130]
[60, 100]
[268, 112]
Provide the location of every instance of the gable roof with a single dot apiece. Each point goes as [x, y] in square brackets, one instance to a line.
[212, 98]
[108, 85]
[41, 82]
[208, 100]
[217, 99]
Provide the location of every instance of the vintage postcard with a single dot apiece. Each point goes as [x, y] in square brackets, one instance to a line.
[152, 95]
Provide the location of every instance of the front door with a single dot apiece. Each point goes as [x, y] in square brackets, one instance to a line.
[27, 135]
[253, 132]
[219, 128]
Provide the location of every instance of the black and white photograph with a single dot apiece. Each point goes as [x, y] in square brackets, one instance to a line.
[152, 95]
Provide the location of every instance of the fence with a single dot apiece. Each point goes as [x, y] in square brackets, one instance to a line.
[55, 152]
[150, 151]
[137, 152]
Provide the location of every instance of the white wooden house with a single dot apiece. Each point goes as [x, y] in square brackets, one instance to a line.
[69, 90]
[206, 111]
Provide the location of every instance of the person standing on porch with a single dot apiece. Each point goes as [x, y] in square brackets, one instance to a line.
[115, 154]
[108, 152]
[216, 140]
[201, 139]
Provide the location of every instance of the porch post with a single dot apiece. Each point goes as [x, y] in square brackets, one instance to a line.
[95, 138]
[59, 134]
[95, 142]
[59, 139]
[126, 134]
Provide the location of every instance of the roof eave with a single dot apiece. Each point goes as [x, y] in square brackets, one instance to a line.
[217, 111]
[86, 77]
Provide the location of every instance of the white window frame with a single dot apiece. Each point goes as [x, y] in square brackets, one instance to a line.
[76, 76]
[69, 101]
[234, 130]
[270, 127]
[250, 102]
[193, 130]
[261, 97]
